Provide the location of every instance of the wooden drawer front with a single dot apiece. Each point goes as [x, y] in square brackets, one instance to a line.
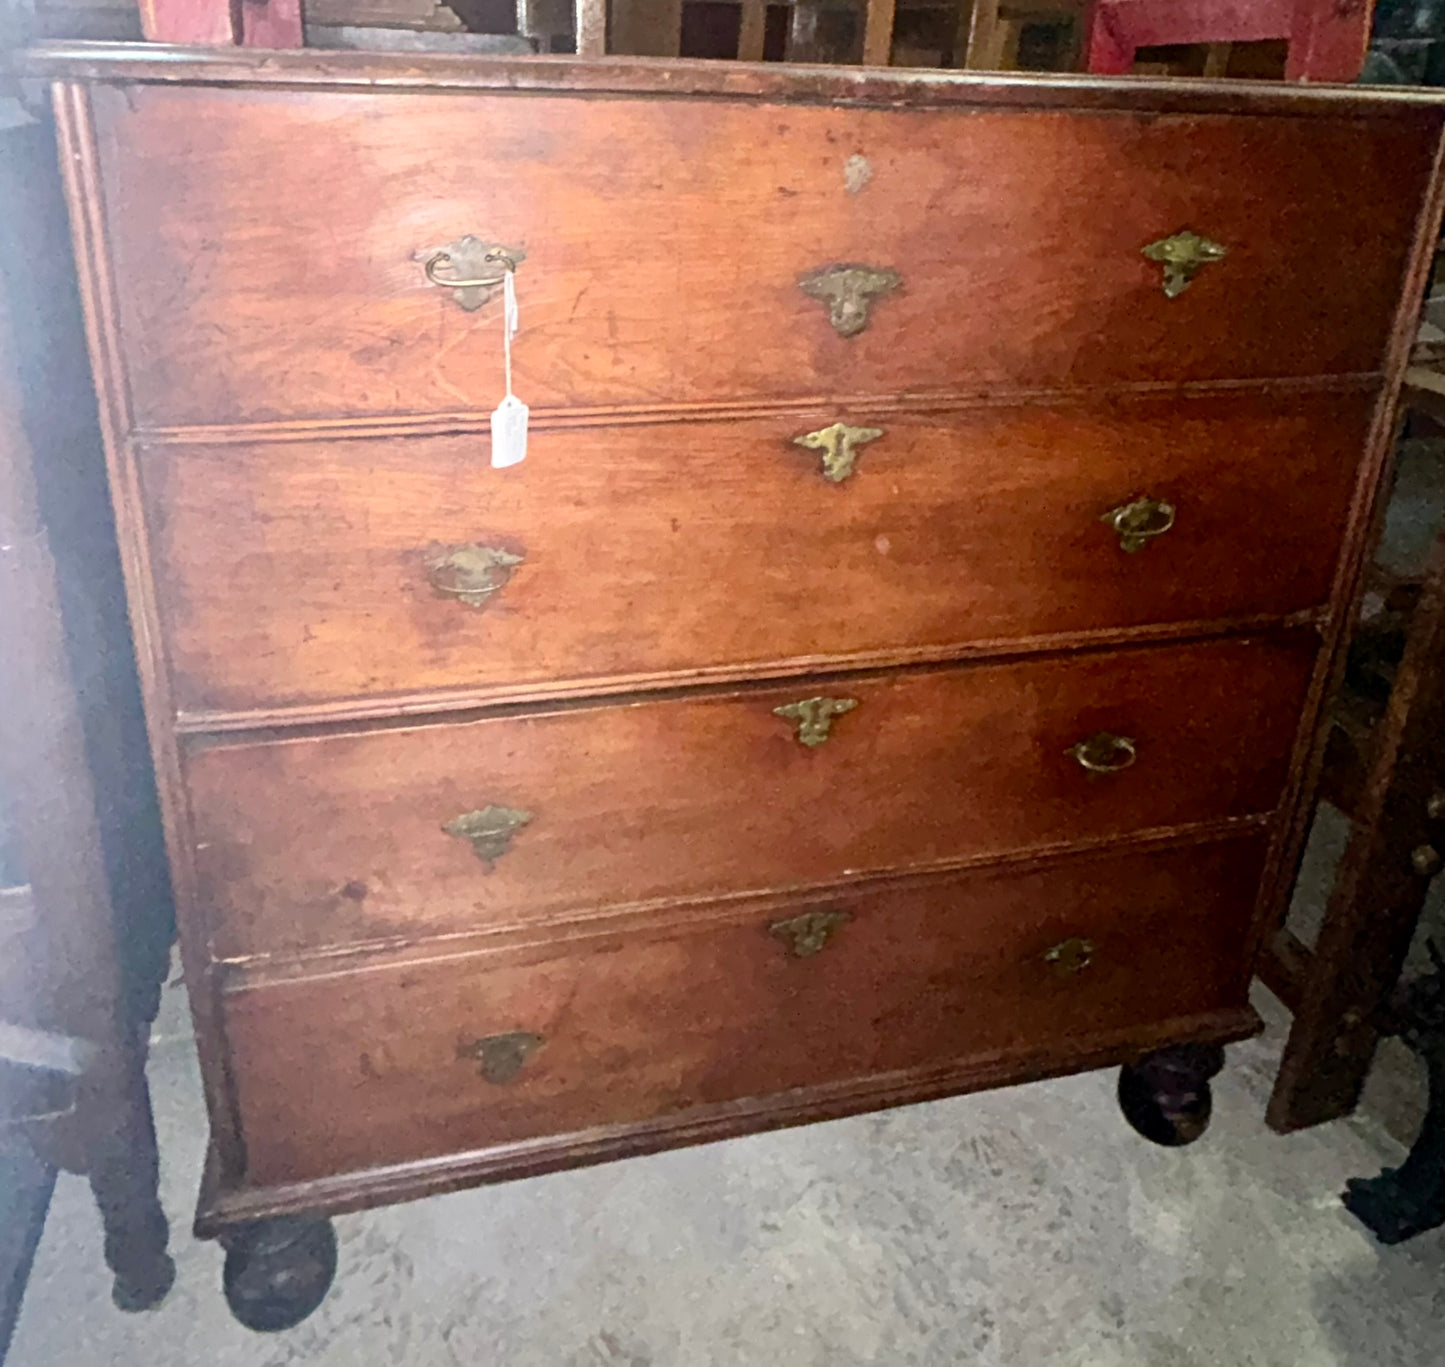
[400, 1063]
[320, 841]
[266, 247]
[664, 549]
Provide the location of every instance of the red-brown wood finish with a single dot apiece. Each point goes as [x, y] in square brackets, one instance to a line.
[376, 1067]
[665, 241]
[709, 794]
[246, 230]
[658, 548]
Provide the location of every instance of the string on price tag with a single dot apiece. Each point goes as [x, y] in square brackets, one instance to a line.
[509, 418]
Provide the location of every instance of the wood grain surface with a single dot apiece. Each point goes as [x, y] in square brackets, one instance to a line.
[291, 574]
[337, 839]
[665, 240]
[369, 1068]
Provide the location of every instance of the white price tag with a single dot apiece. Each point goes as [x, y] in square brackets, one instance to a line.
[509, 418]
[509, 433]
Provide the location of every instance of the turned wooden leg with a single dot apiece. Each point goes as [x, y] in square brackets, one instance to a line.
[124, 1171]
[1166, 1095]
[278, 1271]
[1405, 1201]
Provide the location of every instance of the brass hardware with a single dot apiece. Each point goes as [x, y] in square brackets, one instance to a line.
[500, 1058]
[1435, 805]
[472, 573]
[474, 269]
[814, 716]
[1183, 256]
[1070, 957]
[839, 444]
[849, 291]
[1104, 753]
[490, 829]
[1426, 860]
[1139, 522]
[807, 934]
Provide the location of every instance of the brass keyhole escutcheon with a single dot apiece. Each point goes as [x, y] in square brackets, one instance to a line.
[472, 573]
[849, 292]
[1139, 522]
[1104, 753]
[490, 830]
[813, 717]
[500, 1058]
[1183, 255]
[839, 445]
[1070, 957]
[808, 934]
[474, 270]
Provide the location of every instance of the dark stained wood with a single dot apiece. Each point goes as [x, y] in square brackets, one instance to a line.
[955, 529]
[709, 794]
[285, 282]
[1378, 893]
[369, 1068]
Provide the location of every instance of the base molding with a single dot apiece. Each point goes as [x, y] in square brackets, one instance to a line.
[220, 1208]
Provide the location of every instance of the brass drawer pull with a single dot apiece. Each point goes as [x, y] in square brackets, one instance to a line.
[808, 934]
[490, 830]
[474, 269]
[472, 573]
[1104, 753]
[814, 717]
[1183, 255]
[1139, 522]
[849, 292]
[500, 1058]
[839, 444]
[1070, 957]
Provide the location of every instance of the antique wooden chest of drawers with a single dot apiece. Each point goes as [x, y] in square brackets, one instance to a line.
[894, 668]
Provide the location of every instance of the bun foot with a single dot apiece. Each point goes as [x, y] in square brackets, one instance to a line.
[1166, 1095]
[278, 1271]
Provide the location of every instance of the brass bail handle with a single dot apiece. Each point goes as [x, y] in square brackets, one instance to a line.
[1104, 753]
[473, 268]
[1139, 522]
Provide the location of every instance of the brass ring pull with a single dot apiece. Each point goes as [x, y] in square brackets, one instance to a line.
[1139, 522]
[1104, 753]
[1070, 957]
[472, 573]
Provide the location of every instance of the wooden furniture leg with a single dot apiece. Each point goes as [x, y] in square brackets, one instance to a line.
[124, 1170]
[1339, 990]
[80, 976]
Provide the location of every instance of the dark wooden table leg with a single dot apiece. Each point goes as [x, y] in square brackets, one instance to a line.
[124, 1170]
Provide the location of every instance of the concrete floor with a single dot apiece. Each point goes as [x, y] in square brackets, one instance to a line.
[1028, 1226]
